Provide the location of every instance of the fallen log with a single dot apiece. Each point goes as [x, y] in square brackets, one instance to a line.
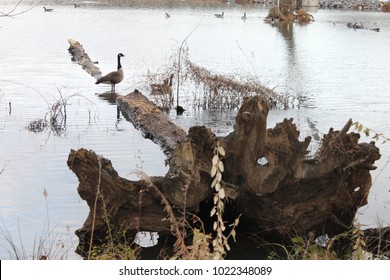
[154, 123]
[268, 177]
[83, 59]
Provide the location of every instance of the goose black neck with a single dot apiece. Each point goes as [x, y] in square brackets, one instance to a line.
[119, 62]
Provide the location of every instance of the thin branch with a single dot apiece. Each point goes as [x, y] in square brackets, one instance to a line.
[179, 61]
[95, 206]
[1, 171]
[11, 13]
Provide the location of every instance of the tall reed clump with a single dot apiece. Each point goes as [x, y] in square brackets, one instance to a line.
[56, 117]
[218, 91]
[207, 89]
[176, 66]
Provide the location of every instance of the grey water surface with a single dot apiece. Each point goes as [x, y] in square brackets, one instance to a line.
[333, 72]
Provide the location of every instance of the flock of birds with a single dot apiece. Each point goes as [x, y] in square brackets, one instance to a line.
[221, 15]
[51, 10]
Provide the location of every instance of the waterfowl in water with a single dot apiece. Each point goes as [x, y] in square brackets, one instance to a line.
[219, 15]
[244, 17]
[47, 9]
[114, 77]
[164, 88]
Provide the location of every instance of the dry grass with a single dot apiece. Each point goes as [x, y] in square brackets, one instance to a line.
[56, 117]
[386, 7]
[349, 245]
[216, 91]
[47, 246]
[207, 89]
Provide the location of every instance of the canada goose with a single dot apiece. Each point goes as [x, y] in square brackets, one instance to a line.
[219, 15]
[167, 15]
[114, 77]
[164, 88]
[244, 17]
[47, 9]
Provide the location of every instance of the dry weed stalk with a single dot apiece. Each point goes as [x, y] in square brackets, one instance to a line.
[116, 248]
[180, 248]
[95, 207]
[220, 242]
[46, 246]
[57, 115]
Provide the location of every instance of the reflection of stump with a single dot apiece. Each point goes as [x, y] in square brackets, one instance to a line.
[272, 183]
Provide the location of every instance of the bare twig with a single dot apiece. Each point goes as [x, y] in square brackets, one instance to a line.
[179, 62]
[95, 206]
[12, 13]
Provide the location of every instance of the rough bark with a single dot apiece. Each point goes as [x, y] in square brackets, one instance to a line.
[83, 59]
[268, 177]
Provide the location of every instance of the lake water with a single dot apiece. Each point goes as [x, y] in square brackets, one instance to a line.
[336, 72]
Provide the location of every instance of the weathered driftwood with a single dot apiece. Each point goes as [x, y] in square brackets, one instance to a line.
[151, 121]
[359, 25]
[83, 59]
[270, 181]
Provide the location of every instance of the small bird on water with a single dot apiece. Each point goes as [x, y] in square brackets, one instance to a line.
[219, 15]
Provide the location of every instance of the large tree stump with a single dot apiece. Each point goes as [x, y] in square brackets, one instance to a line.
[268, 176]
